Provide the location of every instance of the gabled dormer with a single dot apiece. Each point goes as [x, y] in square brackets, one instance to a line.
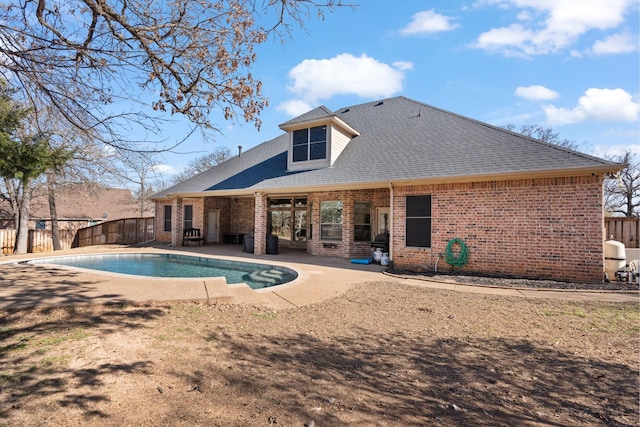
[316, 139]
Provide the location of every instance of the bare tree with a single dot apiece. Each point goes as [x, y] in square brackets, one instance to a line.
[203, 163]
[139, 170]
[88, 163]
[622, 195]
[543, 134]
[184, 57]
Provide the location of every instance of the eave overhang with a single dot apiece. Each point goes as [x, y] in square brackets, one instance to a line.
[333, 120]
[364, 185]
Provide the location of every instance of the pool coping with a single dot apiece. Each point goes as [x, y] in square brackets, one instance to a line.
[319, 278]
[53, 264]
[27, 285]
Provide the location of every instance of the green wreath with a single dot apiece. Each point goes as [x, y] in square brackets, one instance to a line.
[459, 260]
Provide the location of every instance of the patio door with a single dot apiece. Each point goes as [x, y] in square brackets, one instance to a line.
[213, 226]
[287, 219]
[382, 220]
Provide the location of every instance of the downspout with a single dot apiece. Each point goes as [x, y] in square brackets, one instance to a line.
[390, 226]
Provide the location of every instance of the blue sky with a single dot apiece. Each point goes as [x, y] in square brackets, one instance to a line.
[572, 65]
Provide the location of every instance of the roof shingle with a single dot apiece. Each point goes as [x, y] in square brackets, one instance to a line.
[400, 140]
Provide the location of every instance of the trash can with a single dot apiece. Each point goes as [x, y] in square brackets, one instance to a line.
[272, 244]
[247, 243]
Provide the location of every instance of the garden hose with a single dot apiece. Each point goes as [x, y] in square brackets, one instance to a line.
[459, 260]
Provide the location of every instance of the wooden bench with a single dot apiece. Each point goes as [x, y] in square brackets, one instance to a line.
[191, 235]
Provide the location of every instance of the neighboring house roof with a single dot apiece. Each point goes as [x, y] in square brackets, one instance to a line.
[400, 141]
[80, 202]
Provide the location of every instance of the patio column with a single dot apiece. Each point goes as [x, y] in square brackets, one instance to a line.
[178, 224]
[391, 210]
[260, 224]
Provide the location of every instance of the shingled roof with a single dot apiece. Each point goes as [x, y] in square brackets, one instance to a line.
[81, 202]
[400, 141]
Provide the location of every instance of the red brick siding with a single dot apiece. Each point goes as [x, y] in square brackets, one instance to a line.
[236, 214]
[260, 235]
[198, 212]
[177, 223]
[221, 204]
[346, 248]
[242, 215]
[160, 234]
[532, 228]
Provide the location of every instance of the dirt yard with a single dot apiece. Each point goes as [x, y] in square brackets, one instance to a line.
[381, 354]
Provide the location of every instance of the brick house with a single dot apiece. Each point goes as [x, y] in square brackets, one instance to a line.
[77, 206]
[334, 180]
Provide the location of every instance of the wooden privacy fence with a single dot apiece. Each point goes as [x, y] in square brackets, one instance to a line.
[38, 240]
[625, 230]
[122, 231]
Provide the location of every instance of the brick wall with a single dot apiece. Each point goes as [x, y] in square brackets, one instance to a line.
[260, 235]
[242, 215]
[551, 227]
[221, 204]
[161, 235]
[531, 228]
[175, 235]
[346, 248]
[177, 225]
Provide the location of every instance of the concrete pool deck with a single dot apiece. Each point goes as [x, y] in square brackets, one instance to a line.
[320, 278]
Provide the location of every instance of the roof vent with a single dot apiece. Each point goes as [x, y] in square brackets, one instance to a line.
[379, 103]
[346, 111]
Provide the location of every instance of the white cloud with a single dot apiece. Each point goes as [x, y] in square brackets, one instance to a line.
[548, 26]
[602, 105]
[606, 151]
[294, 107]
[614, 44]
[403, 65]
[536, 93]
[165, 169]
[345, 74]
[429, 22]
[509, 40]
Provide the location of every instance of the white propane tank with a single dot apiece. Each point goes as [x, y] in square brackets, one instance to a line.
[385, 259]
[614, 258]
[377, 255]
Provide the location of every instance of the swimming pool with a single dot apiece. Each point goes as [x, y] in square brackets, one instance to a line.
[255, 275]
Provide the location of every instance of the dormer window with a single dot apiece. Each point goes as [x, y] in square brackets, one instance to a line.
[310, 144]
[316, 139]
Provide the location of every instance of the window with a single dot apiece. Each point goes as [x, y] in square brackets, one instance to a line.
[167, 218]
[418, 226]
[41, 225]
[362, 222]
[310, 144]
[288, 218]
[331, 220]
[188, 216]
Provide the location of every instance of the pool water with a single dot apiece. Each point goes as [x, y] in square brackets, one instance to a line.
[183, 266]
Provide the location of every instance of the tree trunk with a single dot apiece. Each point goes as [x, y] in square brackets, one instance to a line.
[22, 228]
[55, 230]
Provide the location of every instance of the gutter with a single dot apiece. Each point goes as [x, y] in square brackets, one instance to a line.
[505, 176]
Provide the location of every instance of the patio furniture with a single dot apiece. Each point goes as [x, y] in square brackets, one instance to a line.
[233, 238]
[381, 241]
[191, 235]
